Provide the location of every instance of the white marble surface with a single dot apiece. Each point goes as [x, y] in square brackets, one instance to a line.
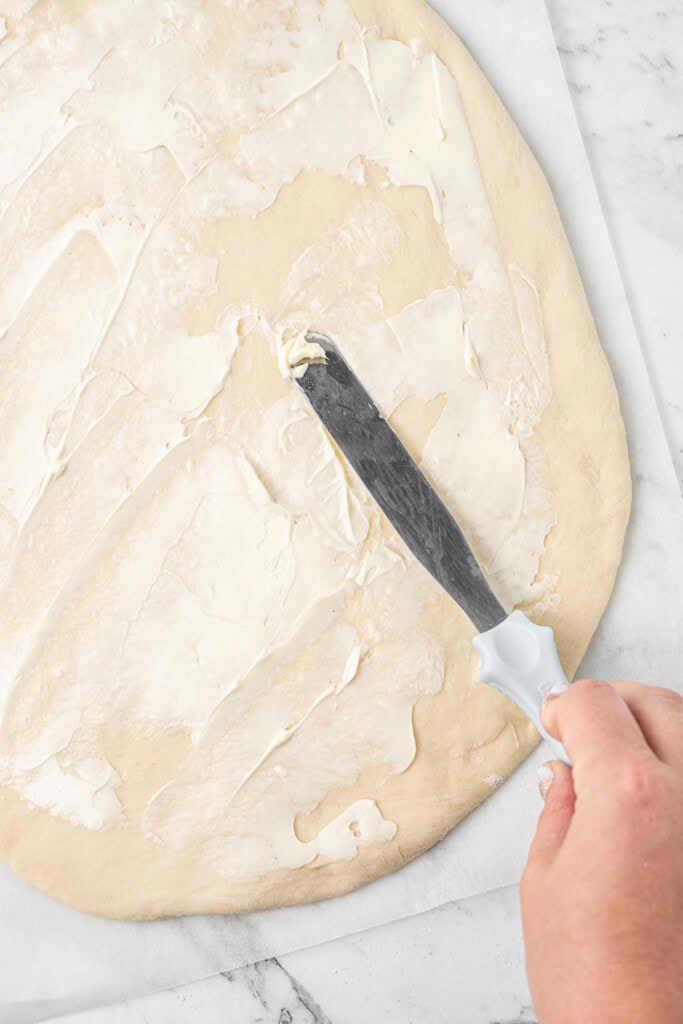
[624, 65]
[463, 962]
[459, 964]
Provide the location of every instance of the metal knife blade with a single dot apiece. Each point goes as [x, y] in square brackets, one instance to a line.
[397, 484]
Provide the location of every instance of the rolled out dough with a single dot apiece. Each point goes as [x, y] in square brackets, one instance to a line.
[226, 684]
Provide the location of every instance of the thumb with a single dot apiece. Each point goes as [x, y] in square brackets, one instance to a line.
[557, 788]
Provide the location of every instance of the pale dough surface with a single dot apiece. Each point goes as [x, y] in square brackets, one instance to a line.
[465, 735]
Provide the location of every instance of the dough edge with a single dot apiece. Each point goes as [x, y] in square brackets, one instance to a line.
[579, 419]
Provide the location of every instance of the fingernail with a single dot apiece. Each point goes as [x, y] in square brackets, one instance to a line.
[545, 778]
[556, 690]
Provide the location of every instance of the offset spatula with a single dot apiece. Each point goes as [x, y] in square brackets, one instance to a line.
[518, 657]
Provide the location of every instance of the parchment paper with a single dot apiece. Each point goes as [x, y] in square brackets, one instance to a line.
[55, 960]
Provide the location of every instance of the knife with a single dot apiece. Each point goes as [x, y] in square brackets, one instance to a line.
[518, 657]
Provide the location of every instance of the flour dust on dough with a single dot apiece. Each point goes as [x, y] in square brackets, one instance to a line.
[225, 682]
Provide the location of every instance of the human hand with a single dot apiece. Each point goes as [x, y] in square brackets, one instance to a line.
[602, 893]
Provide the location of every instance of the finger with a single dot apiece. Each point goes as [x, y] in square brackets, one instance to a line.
[659, 713]
[596, 726]
[555, 781]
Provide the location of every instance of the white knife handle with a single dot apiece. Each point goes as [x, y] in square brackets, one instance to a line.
[520, 659]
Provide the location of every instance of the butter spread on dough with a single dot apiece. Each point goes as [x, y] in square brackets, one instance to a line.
[181, 546]
[241, 574]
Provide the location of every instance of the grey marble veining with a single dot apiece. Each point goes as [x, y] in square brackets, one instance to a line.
[459, 964]
[265, 993]
[624, 65]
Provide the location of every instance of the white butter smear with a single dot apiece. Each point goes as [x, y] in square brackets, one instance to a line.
[296, 353]
[208, 573]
